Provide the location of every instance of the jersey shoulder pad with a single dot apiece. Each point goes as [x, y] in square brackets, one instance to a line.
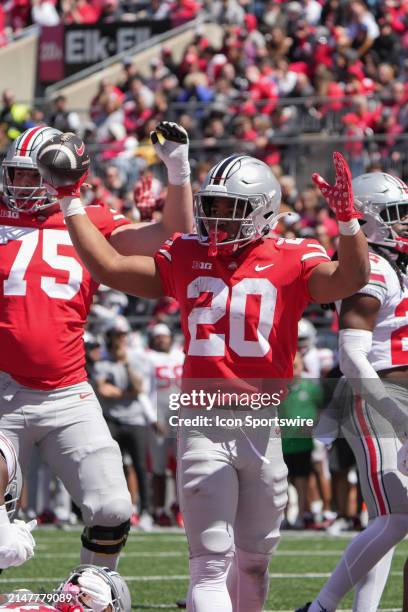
[381, 272]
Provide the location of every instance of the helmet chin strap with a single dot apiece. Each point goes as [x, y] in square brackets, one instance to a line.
[398, 243]
[215, 236]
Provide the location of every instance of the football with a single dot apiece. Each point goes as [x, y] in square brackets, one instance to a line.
[63, 160]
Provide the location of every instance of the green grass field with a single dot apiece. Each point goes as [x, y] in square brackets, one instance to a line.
[156, 568]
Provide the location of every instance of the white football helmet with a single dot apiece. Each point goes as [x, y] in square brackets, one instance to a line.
[22, 154]
[383, 200]
[121, 599]
[306, 335]
[255, 195]
[12, 494]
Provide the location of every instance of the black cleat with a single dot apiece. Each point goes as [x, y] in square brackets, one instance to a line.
[305, 607]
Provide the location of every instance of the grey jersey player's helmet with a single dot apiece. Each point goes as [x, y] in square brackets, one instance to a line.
[121, 600]
[383, 200]
[22, 154]
[306, 335]
[255, 196]
[13, 492]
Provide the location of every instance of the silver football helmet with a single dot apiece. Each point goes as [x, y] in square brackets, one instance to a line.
[306, 335]
[121, 599]
[255, 196]
[383, 200]
[12, 494]
[22, 154]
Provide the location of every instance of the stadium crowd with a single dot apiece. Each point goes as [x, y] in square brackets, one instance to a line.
[15, 15]
[336, 67]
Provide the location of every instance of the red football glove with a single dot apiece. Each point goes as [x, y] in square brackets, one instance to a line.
[340, 195]
[73, 190]
[144, 198]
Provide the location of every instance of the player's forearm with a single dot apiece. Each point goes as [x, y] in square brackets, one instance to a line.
[94, 250]
[178, 210]
[354, 267]
[133, 275]
[354, 348]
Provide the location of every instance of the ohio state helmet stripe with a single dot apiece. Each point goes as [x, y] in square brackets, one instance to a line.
[26, 142]
[221, 171]
[404, 187]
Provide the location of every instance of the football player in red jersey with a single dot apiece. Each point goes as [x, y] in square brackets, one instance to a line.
[241, 294]
[45, 295]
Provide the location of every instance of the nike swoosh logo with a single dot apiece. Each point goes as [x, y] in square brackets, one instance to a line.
[84, 395]
[259, 268]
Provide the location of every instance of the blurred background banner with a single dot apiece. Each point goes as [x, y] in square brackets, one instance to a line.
[67, 49]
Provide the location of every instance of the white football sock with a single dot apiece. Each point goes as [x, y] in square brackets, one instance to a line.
[369, 589]
[359, 558]
[208, 584]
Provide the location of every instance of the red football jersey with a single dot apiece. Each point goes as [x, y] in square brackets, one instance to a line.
[45, 296]
[239, 313]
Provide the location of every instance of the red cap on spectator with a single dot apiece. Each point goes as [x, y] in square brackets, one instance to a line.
[251, 22]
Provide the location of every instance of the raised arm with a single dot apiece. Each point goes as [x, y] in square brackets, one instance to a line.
[135, 275]
[171, 144]
[332, 281]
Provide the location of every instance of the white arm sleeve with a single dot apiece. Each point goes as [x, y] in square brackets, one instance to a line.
[354, 347]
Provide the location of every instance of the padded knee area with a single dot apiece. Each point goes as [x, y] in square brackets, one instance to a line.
[217, 540]
[113, 511]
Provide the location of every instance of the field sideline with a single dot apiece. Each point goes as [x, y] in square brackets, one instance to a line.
[156, 568]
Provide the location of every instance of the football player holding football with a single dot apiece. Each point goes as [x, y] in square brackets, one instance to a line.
[241, 294]
[372, 411]
[16, 542]
[45, 296]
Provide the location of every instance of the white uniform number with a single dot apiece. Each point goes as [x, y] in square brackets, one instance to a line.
[214, 345]
[16, 284]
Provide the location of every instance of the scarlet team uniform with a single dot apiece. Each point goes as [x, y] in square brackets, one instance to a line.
[370, 435]
[239, 311]
[239, 316]
[45, 295]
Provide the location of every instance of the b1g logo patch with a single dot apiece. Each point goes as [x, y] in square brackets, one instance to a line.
[202, 265]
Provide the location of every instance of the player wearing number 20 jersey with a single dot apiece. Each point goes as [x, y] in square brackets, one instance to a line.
[241, 294]
[237, 311]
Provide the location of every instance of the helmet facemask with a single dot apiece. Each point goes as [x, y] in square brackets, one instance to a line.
[383, 201]
[12, 494]
[26, 194]
[233, 229]
[28, 199]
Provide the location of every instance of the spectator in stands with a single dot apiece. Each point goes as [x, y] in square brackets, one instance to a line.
[362, 29]
[44, 13]
[80, 11]
[303, 401]
[127, 409]
[116, 184]
[14, 115]
[63, 119]
[111, 11]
